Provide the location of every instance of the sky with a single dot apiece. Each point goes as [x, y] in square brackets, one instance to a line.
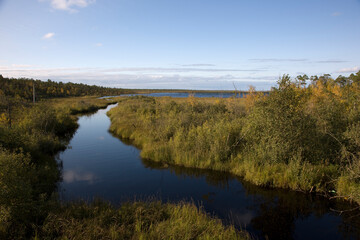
[173, 44]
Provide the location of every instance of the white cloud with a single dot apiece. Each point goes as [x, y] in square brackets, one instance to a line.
[69, 5]
[179, 70]
[48, 35]
[278, 60]
[4, 68]
[331, 61]
[184, 78]
[349, 70]
[199, 65]
[21, 66]
[14, 67]
[98, 45]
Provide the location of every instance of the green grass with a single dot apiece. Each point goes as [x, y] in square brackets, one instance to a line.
[137, 220]
[80, 105]
[292, 139]
[182, 131]
[28, 170]
[30, 209]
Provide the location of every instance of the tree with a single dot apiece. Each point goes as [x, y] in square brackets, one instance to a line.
[342, 81]
[314, 79]
[302, 79]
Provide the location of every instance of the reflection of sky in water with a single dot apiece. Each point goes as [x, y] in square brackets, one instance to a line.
[70, 176]
[99, 165]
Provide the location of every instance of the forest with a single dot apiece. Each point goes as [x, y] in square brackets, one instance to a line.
[23, 88]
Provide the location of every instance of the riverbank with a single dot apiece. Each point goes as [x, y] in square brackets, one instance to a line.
[29, 173]
[30, 136]
[136, 220]
[303, 139]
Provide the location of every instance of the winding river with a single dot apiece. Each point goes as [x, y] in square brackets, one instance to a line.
[99, 165]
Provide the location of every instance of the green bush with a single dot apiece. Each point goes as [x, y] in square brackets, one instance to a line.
[22, 205]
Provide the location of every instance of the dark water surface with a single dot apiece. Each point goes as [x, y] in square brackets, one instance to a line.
[100, 165]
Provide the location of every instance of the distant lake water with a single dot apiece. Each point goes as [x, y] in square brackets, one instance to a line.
[187, 94]
[101, 165]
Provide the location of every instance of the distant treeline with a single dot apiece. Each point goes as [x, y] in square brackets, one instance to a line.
[23, 87]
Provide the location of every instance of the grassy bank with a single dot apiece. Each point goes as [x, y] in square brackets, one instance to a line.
[301, 138]
[30, 136]
[138, 220]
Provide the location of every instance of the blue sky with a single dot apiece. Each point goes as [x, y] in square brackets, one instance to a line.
[187, 44]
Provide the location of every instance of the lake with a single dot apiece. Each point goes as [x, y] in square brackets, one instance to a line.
[99, 165]
[187, 94]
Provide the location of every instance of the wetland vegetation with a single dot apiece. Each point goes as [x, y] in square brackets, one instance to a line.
[298, 137]
[30, 136]
[302, 137]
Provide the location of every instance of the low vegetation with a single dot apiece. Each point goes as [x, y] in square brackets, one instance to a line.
[30, 136]
[303, 136]
[138, 220]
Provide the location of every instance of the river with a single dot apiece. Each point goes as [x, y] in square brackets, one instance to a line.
[99, 165]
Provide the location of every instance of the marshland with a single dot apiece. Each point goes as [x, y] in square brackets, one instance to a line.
[226, 168]
[179, 119]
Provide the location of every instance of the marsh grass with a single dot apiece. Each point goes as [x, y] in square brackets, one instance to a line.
[28, 169]
[208, 134]
[136, 220]
[29, 209]
[177, 131]
[81, 105]
[300, 138]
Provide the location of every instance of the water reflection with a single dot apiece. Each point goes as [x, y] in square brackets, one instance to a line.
[100, 165]
[70, 176]
[214, 178]
[276, 213]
